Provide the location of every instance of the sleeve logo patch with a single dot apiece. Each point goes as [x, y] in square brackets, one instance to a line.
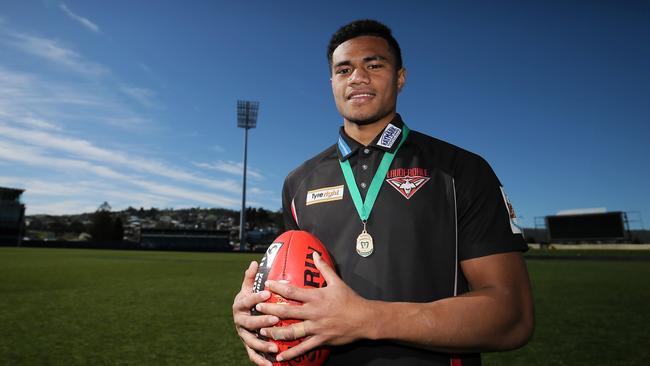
[326, 194]
[390, 135]
[511, 212]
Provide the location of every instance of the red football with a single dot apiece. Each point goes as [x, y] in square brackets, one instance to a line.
[290, 258]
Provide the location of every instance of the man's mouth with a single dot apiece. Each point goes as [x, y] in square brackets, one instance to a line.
[360, 96]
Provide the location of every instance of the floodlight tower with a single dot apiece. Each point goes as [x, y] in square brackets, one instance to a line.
[246, 119]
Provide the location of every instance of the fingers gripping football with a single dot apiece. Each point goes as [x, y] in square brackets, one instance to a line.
[329, 274]
[245, 324]
[288, 333]
[332, 315]
[245, 300]
[244, 319]
[256, 358]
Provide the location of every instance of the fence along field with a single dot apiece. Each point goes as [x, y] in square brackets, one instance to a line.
[66, 306]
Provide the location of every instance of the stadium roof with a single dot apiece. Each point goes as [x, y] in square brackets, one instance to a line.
[10, 193]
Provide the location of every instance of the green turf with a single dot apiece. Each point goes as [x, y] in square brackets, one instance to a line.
[60, 306]
[587, 253]
[588, 313]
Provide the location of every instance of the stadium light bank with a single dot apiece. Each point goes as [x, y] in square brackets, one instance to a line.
[246, 119]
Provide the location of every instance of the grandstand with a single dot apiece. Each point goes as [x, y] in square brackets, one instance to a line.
[12, 216]
[588, 226]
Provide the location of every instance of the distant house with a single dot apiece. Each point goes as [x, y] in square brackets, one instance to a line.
[12, 216]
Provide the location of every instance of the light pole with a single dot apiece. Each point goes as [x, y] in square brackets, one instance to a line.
[246, 119]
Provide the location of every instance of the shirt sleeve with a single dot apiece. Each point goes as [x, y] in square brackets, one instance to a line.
[485, 217]
[288, 211]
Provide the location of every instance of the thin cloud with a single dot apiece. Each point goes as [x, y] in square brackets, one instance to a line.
[44, 188]
[81, 20]
[39, 105]
[85, 150]
[29, 120]
[32, 92]
[37, 91]
[141, 95]
[152, 75]
[60, 207]
[145, 68]
[37, 157]
[187, 194]
[39, 123]
[230, 167]
[39, 143]
[27, 98]
[53, 51]
[54, 196]
[259, 191]
[124, 122]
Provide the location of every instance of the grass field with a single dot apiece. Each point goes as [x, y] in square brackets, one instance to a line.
[61, 306]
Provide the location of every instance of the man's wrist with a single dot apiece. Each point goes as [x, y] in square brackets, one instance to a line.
[374, 319]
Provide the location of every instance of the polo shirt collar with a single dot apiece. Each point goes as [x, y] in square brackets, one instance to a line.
[387, 140]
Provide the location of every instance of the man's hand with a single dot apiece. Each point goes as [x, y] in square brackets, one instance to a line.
[247, 324]
[333, 315]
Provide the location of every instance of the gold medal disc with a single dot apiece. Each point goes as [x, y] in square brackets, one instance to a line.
[364, 244]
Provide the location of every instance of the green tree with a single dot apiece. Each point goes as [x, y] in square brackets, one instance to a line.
[104, 228]
[57, 227]
[278, 220]
[104, 207]
[77, 227]
[101, 228]
[118, 230]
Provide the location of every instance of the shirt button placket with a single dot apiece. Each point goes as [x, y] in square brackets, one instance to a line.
[363, 162]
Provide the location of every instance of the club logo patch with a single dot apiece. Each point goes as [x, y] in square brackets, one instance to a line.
[324, 195]
[390, 135]
[407, 181]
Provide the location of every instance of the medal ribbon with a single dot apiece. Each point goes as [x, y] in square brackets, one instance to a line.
[365, 207]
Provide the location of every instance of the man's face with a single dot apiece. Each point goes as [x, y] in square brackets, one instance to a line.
[364, 80]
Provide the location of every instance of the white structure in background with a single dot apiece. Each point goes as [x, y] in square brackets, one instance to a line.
[582, 211]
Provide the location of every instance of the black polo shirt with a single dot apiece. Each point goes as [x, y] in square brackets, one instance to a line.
[438, 205]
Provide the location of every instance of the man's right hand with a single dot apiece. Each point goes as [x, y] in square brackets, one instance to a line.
[246, 324]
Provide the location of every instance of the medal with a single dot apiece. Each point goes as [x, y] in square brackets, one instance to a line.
[365, 245]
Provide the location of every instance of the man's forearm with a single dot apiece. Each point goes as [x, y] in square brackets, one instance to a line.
[488, 319]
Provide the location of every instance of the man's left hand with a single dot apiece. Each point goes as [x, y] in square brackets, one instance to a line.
[332, 315]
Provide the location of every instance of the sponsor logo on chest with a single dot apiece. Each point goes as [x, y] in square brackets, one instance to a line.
[390, 135]
[407, 181]
[326, 194]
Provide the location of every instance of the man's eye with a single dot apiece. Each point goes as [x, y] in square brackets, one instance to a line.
[343, 71]
[375, 66]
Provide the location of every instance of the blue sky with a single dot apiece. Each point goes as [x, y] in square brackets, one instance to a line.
[133, 102]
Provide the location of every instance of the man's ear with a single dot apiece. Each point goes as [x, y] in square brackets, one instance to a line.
[401, 79]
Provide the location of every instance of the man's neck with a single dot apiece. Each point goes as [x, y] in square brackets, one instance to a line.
[364, 134]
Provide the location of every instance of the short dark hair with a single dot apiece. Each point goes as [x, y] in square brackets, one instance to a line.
[365, 27]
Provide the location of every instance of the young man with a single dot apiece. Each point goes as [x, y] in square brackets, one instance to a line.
[429, 263]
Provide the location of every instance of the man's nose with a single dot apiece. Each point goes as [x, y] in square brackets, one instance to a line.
[359, 75]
